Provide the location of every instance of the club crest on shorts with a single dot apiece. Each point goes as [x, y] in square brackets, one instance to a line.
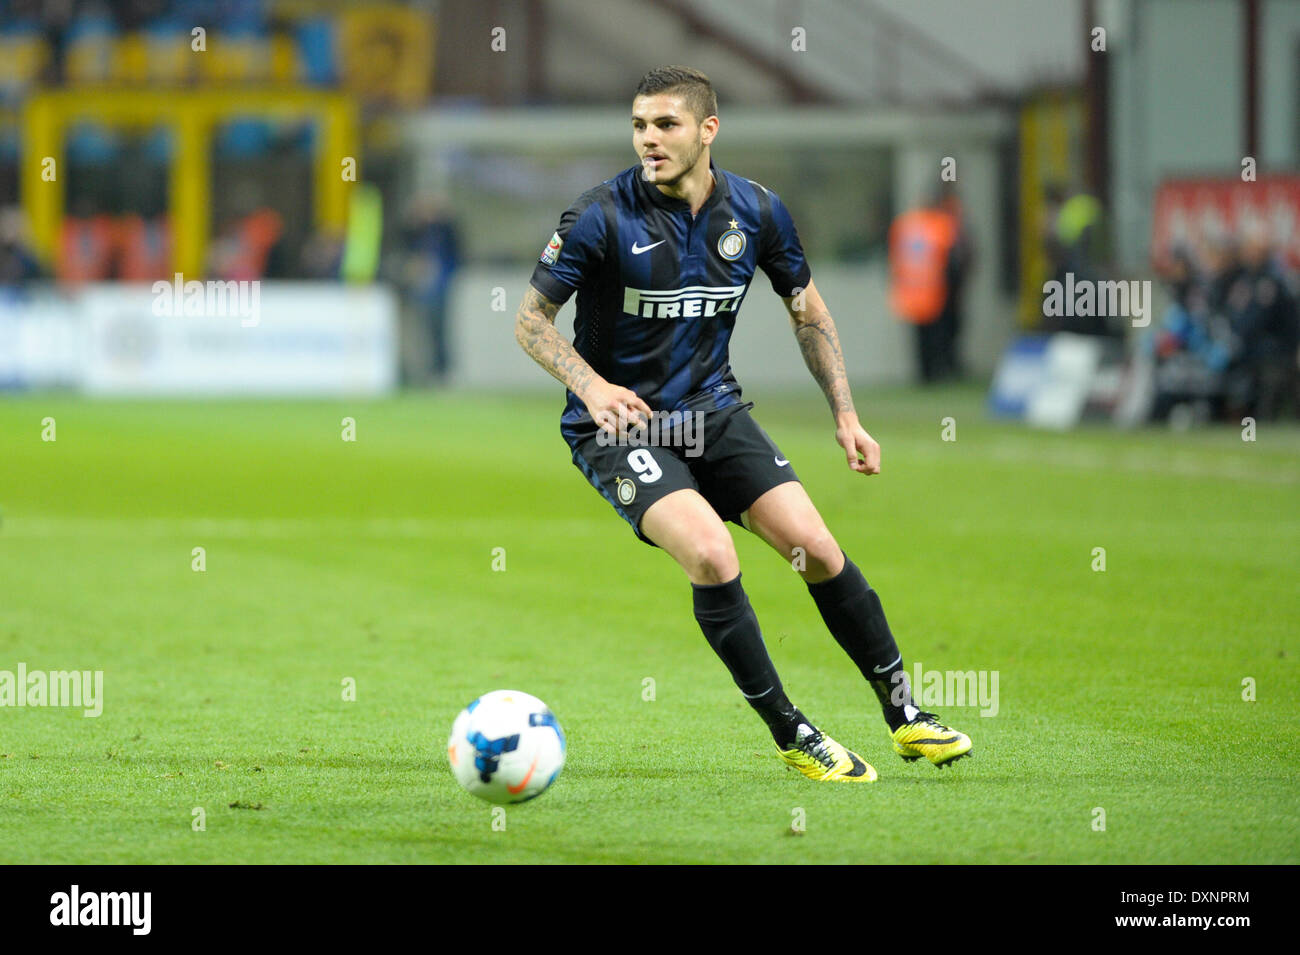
[626, 490]
[731, 244]
[552, 250]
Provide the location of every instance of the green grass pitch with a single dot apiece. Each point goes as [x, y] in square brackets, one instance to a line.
[373, 561]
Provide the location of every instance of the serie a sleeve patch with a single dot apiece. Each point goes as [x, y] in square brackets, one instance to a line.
[552, 250]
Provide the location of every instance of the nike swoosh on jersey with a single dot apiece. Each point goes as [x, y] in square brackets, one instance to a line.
[780, 463]
[638, 249]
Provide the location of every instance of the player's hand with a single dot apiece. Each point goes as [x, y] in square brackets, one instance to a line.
[616, 409]
[861, 449]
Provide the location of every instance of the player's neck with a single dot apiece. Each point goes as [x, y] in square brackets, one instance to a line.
[695, 187]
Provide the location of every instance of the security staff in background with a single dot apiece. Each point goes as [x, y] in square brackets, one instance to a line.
[432, 255]
[929, 259]
[1074, 241]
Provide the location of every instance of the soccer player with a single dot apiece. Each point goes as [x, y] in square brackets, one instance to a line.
[661, 257]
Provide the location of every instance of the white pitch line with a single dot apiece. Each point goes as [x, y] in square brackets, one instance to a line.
[1211, 464]
[253, 528]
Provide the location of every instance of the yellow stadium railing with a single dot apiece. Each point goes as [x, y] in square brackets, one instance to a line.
[193, 116]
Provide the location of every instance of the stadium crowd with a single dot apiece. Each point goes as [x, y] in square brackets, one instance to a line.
[1228, 345]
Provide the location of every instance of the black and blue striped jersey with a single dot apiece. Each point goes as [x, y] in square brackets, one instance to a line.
[659, 289]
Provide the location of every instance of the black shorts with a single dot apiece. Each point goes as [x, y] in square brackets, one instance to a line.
[724, 455]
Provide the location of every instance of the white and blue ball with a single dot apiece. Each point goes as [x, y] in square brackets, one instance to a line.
[506, 747]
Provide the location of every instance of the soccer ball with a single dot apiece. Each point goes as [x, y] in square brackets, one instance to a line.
[506, 746]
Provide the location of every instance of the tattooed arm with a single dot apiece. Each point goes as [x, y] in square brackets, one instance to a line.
[815, 332]
[536, 333]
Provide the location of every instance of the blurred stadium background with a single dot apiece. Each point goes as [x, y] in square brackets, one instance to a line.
[419, 154]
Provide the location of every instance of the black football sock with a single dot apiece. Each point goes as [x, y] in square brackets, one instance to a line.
[731, 627]
[856, 620]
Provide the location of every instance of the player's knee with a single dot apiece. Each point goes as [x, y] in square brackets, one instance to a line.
[712, 558]
[822, 554]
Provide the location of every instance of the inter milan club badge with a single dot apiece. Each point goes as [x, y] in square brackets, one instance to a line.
[626, 490]
[731, 244]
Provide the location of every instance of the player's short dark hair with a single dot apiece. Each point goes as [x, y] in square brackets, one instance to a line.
[694, 87]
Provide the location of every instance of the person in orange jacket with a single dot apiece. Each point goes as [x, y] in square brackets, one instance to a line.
[929, 257]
